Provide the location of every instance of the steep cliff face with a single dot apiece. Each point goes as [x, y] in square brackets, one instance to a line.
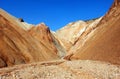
[17, 46]
[104, 42]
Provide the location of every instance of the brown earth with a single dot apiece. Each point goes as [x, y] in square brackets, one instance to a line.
[103, 43]
[68, 34]
[17, 45]
[42, 33]
[71, 33]
[62, 70]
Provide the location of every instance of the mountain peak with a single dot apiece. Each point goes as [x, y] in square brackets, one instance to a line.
[41, 24]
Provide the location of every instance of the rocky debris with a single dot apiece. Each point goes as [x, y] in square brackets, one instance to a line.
[87, 69]
[80, 69]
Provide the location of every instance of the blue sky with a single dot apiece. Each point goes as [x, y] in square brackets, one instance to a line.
[56, 13]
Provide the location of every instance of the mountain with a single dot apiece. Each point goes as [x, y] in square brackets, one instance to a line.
[74, 31]
[69, 33]
[43, 34]
[17, 46]
[103, 42]
[81, 50]
[82, 35]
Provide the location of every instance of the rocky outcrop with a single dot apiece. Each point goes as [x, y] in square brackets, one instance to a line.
[21, 19]
[25, 25]
[17, 46]
[103, 43]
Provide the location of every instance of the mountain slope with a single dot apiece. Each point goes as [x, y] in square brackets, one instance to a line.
[69, 33]
[17, 46]
[43, 34]
[104, 44]
[74, 31]
[84, 36]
